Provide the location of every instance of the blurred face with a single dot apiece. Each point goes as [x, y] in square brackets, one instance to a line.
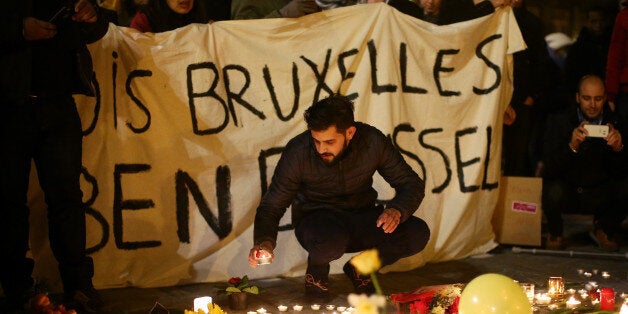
[430, 7]
[181, 6]
[330, 144]
[596, 22]
[591, 98]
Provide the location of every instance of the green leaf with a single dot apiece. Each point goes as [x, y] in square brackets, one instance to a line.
[244, 283]
[233, 289]
[253, 290]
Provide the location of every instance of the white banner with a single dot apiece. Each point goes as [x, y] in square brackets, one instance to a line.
[188, 125]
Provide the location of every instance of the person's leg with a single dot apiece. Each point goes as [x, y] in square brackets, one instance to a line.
[555, 193]
[18, 135]
[324, 236]
[409, 238]
[608, 204]
[58, 160]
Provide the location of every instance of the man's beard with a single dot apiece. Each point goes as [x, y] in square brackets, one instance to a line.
[335, 157]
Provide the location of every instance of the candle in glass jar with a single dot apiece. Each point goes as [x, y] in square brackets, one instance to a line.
[202, 304]
[556, 287]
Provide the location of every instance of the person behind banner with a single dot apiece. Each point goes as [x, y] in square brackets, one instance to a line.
[43, 61]
[166, 15]
[326, 174]
[585, 167]
[266, 9]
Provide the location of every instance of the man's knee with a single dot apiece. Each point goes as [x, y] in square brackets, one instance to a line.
[417, 234]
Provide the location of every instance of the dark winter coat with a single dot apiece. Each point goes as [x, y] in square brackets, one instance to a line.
[304, 180]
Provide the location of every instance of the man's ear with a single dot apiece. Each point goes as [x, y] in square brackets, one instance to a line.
[350, 132]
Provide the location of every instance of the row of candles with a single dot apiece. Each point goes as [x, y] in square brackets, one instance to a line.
[605, 296]
[201, 303]
[299, 308]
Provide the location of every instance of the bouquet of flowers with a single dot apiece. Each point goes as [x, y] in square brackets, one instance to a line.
[441, 299]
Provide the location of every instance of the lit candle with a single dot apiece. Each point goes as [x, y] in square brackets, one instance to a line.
[315, 307]
[341, 308]
[297, 307]
[607, 299]
[606, 275]
[571, 291]
[528, 289]
[202, 304]
[556, 287]
[330, 307]
[587, 274]
[572, 303]
[282, 308]
[261, 310]
[542, 299]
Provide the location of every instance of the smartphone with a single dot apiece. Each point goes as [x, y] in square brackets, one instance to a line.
[596, 130]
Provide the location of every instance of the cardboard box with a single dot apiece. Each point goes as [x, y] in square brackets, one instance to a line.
[517, 216]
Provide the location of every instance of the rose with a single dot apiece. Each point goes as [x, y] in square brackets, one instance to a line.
[367, 262]
[235, 281]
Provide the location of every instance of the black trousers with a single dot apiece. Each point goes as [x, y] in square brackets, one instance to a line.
[328, 234]
[48, 132]
[607, 203]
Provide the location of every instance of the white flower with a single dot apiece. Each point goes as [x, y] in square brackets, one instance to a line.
[364, 304]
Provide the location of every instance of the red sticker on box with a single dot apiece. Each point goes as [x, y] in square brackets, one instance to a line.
[529, 208]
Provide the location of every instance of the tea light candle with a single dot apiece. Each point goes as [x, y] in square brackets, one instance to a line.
[543, 299]
[315, 307]
[572, 303]
[282, 308]
[297, 307]
[571, 291]
[261, 310]
[330, 307]
[556, 287]
[341, 308]
[587, 274]
[202, 304]
[580, 271]
[606, 275]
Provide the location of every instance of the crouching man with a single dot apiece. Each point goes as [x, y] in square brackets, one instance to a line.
[326, 174]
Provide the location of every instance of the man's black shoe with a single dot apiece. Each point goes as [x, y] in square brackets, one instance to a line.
[362, 284]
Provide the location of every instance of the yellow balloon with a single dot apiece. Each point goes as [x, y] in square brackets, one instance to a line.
[495, 294]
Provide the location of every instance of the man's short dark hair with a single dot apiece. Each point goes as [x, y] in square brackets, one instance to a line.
[336, 110]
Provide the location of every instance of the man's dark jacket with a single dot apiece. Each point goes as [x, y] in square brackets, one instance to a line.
[594, 164]
[304, 180]
[45, 66]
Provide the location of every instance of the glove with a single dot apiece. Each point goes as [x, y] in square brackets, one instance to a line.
[298, 8]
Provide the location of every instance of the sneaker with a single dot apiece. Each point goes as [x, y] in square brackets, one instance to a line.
[84, 301]
[555, 243]
[362, 284]
[603, 241]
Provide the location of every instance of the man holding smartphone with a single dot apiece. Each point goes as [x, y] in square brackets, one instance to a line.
[40, 43]
[585, 167]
